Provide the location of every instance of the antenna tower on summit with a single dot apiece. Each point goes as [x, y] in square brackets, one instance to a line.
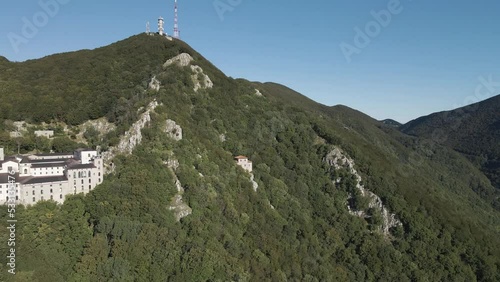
[176, 23]
[160, 26]
[148, 31]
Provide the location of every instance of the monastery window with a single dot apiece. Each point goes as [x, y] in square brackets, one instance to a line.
[41, 192]
[34, 199]
[60, 196]
[82, 181]
[33, 192]
[90, 180]
[51, 190]
[25, 171]
[90, 187]
[51, 197]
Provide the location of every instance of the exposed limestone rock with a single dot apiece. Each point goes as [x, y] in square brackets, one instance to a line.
[173, 164]
[182, 60]
[133, 136]
[102, 125]
[180, 208]
[257, 93]
[200, 79]
[270, 205]
[15, 134]
[173, 130]
[337, 159]
[20, 125]
[205, 81]
[222, 137]
[255, 185]
[130, 139]
[154, 84]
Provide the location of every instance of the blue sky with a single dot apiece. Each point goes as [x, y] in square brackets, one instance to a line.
[428, 57]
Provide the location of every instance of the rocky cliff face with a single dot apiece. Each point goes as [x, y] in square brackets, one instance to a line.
[255, 185]
[129, 140]
[338, 159]
[200, 79]
[154, 84]
[173, 130]
[182, 60]
[177, 205]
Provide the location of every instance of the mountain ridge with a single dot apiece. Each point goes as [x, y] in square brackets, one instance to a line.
[473, 130]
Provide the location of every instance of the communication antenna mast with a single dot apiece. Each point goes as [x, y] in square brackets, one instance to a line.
[176, 22]
[160, 26]
[148, 31]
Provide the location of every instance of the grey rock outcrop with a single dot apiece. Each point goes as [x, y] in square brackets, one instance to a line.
[200, 79]
[255, 185]
[182, 60]
[178, 206]
[129, 140]
[173, 130]
[338, 159]
[154, 84]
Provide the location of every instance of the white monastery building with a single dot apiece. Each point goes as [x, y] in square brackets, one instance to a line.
[49, 176]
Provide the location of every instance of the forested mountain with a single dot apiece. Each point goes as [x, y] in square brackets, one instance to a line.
[308, 219]
[473, 130]
[391, 122]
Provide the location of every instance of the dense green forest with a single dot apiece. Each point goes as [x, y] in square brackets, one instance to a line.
[295, 227]
[473, 130]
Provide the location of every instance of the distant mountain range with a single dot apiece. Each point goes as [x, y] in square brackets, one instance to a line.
[473, 130]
